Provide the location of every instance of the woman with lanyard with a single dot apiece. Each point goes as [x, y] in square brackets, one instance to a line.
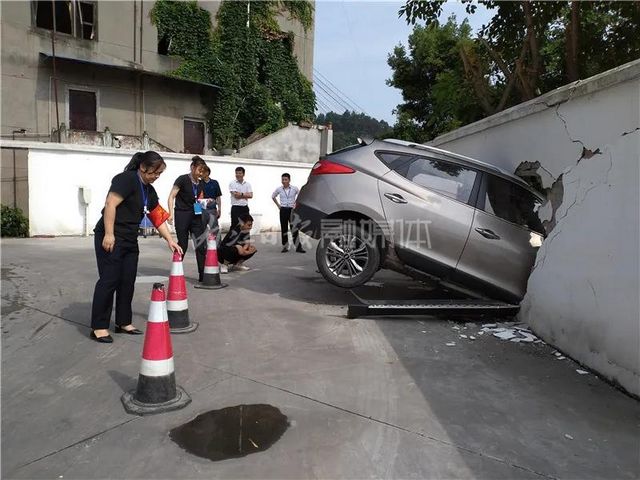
[187, 214]
[131, 197]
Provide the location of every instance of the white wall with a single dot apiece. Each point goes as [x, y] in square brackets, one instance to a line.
[582, 295]
[57, 171]
[291, 143]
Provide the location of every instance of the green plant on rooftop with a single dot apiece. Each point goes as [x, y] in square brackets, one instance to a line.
[248, 56]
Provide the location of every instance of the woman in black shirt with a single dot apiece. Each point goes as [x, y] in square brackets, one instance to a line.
[130, 198]
[187, 213]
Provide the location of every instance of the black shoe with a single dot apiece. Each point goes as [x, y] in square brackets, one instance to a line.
[301, 250]
[135, 331]
[284, 249]
[105, 339]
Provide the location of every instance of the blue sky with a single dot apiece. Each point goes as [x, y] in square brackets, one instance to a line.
[352, 41]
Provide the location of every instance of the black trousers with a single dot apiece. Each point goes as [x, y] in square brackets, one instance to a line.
[188, 224]
[231, 255]
[210, 221]
[236, 211]
[117, 271]
[285, 222]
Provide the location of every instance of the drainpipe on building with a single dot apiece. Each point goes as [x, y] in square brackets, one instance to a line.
[15, 177]
[55, 78]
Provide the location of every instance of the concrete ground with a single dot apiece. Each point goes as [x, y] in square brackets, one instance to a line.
[366, 398]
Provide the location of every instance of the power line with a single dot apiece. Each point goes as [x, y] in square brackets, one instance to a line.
[328, 101]
[320, 83]
[325, 101]
[322, 106]
[321, 103]
[338, 102]
[342, 101]
[334, 86]
[329, 97]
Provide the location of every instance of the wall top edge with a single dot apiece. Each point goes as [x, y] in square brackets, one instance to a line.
[75, 148]
[623, 73]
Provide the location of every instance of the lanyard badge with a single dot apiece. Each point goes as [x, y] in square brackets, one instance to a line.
[145, 197]
[197, 208]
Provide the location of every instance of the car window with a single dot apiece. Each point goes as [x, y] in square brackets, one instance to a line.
[513, 203]
[393, 160]
[446, 178]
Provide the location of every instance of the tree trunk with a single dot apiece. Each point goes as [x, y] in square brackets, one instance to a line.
[533, 71]
[511, 76]
[478, 82]
[572, 34]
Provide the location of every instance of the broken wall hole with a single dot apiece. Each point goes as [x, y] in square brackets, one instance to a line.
[541, 180]
[231, 432]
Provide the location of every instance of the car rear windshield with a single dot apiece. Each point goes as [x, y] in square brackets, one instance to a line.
[344, 150]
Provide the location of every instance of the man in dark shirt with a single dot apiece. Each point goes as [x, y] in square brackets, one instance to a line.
[235, 248]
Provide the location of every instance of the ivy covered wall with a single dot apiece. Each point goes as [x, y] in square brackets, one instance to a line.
[248, 56]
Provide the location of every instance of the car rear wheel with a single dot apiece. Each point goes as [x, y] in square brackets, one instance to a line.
[347, 256]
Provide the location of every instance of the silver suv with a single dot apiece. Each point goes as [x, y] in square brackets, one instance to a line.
[425, 212]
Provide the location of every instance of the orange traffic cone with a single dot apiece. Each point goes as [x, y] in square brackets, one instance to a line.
[157, 391]
[211, 277]
[177, 305]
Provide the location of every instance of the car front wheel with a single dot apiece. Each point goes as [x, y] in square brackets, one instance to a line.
[347, 256]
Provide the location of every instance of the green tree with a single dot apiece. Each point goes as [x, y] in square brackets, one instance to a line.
[248, 56]
[349, 126]
[536, 46]
[431, 75]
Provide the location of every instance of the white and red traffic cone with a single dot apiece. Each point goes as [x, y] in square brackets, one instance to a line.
[211, 277]
[156, 391]
[177, 304]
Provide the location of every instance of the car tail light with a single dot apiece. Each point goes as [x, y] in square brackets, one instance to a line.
[325, 167]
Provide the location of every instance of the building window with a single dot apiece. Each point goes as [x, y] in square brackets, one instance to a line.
[164, 44]
[193, 136]
[72, 17]
[82, 110]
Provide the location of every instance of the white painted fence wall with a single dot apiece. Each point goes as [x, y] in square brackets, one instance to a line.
[56, 173]
[582, 295]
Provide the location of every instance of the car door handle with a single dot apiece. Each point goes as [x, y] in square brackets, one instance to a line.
[395, 197]
[485, 232]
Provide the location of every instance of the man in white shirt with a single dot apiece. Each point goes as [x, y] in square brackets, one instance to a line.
[287, 195]
[241, 192]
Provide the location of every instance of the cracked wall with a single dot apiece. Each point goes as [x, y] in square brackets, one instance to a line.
[582, 146]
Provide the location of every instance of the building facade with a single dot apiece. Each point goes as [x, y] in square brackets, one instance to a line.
[111, 86]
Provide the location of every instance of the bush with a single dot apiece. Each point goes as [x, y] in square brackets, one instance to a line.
[14, 223]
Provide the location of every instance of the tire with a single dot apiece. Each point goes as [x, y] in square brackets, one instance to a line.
[347, 256]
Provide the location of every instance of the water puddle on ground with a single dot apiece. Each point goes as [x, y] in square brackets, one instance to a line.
[231, 432]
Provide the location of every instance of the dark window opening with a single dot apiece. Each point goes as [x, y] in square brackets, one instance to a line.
[82, 110]
[193, 137]
[86, 20]
[71, 17]
[262, 71]
[513, 204]
[164, 44]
